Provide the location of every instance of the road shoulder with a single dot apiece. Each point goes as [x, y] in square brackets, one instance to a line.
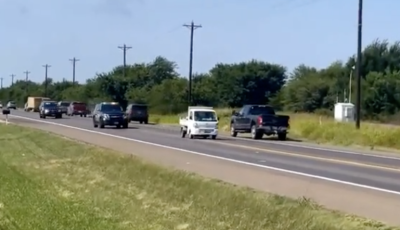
[362, 202]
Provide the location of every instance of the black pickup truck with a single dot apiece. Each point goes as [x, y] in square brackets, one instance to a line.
[259, 120]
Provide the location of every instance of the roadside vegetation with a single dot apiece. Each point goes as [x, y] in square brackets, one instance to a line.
[50, 182]
[317, 128]
[305, 93]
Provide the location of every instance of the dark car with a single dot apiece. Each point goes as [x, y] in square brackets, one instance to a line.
[49, 109]
[137, 112]
[77, 108]
[109, 114]
[259, 120]
[63, 105]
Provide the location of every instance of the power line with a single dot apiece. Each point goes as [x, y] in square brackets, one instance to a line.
[26, 81]
[73, 60]
[12, 79]
[46, 67]
[192, 27]
[124, 49]
[358, 65]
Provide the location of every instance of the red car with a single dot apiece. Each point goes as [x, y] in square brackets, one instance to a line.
[77, 108]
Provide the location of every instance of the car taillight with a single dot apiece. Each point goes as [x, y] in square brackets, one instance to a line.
[259, 120]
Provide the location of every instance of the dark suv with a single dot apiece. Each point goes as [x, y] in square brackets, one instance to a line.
[137, 112]
[49, 109]
[109, 114]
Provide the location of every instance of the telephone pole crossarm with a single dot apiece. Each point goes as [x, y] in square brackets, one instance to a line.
[12, 78]
[74, 60]
[46, 67]
[192, 27]
[26, 81]
[124, 48]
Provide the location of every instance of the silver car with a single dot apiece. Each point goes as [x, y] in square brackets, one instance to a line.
[11, 105]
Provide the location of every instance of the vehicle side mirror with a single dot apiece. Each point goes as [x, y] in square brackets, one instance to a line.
[6, 111]
[190, 118]
[218, 119]
[233, 112]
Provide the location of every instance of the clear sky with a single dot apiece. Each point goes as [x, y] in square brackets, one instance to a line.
[288, 32]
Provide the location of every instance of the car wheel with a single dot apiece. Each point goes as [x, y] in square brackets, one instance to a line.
[214, 137]
[95, 125]
[233, 131]
[146, 122]
[101, 126]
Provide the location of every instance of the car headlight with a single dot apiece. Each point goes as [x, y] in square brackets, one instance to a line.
[46, 110]
[106, 117]
[196, 125]
[216, 126]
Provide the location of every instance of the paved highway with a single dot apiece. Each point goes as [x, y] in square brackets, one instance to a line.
[372, 172]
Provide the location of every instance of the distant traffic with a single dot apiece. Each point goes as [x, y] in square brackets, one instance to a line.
[200, 122]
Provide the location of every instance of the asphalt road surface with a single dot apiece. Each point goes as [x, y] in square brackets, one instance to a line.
[378, 172]
[368, 174]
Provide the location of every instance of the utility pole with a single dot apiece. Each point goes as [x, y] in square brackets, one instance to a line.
[73, 60]
[46, 68]
[192, 27]
[26, 81]
[124, 49]
[12, 79]
[1, 83]
[358, 65]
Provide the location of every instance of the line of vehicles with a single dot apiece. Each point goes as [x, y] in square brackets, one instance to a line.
[200, 122]
[103, 114]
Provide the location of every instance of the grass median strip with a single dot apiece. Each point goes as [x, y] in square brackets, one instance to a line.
[50, 182]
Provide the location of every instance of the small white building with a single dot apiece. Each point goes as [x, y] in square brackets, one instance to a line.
[344, 112]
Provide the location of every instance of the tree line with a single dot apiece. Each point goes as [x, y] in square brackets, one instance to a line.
[305, 89]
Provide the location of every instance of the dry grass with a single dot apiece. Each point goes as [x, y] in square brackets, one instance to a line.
[49, 182]
[320, 129]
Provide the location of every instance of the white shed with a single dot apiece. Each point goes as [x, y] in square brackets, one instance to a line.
[344, 112]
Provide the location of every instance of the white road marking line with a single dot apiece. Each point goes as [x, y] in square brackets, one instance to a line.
[220, 158]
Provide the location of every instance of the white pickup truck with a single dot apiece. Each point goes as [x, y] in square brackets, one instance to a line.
[199, 122]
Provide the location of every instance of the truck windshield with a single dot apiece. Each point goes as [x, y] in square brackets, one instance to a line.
[261, 110]
[205, 116]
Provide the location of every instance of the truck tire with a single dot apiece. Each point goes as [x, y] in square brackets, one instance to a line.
[233, 131]
[255, 134]
[214, 137]
[183, 132]
[282, 136]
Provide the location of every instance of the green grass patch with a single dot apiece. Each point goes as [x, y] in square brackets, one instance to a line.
[50, 182]
[320, 129]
